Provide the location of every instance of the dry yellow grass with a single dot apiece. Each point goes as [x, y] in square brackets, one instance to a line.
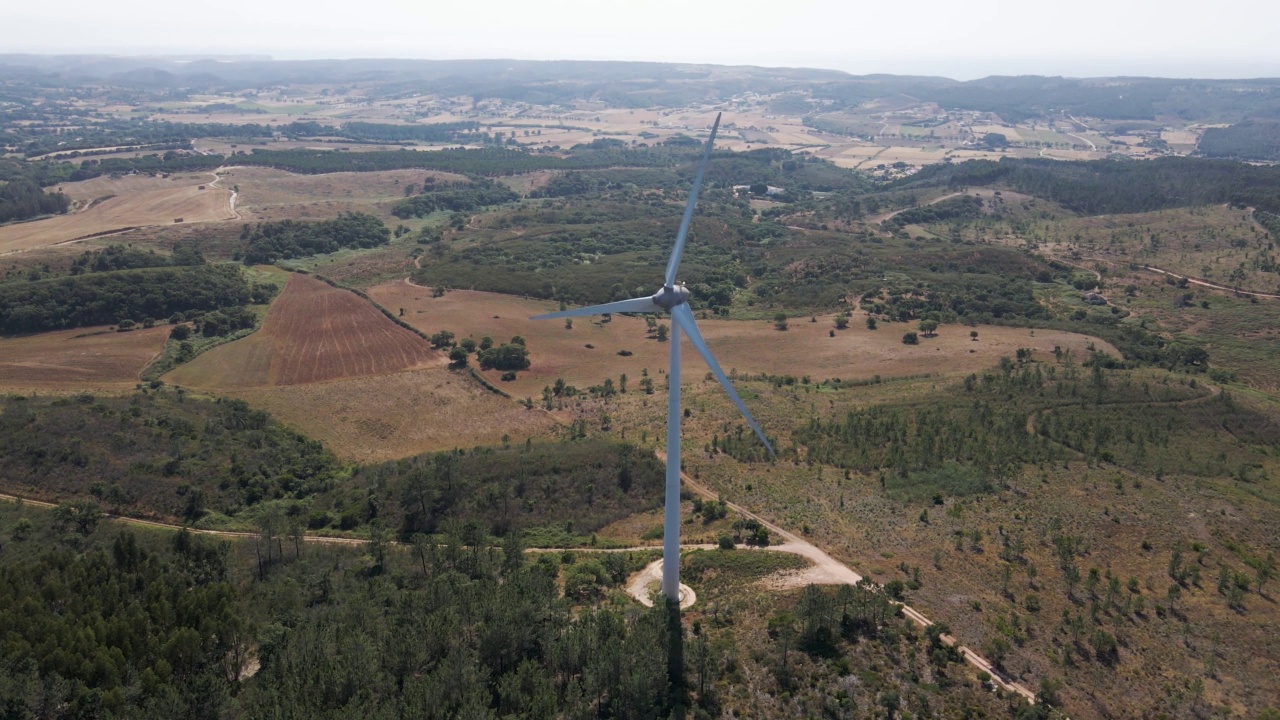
[377, 418]
[271, 194]
[79, 359]
[137, 202]
[747, 346]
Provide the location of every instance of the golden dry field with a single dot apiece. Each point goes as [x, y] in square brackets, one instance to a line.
[267, 194]
[106, 204]
[93, 358]
[746, 346]
[385, 417]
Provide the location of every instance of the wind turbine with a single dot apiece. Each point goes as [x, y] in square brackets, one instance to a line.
[674, 299]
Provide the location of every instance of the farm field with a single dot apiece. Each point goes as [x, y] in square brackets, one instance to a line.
[107, 205]
[745, 346]
[268, 194]
[376, 418]
[93, 358]
[312, 332]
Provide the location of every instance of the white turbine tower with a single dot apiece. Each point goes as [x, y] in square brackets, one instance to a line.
[674, 298]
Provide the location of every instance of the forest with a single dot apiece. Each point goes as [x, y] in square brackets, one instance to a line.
[22, 199]
[106, 298]
[286, 239]
[1101, 187]
[127, 257]
[221, 461]
[183, 457]
[151, 134]
[1257, 140]
[454, 197]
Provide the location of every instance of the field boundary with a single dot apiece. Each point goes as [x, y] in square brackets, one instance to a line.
[488, 385]
[146, 376]
[362, 294]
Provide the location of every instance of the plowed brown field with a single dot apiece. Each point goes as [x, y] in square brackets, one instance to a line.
[313, 332]
[79, 359]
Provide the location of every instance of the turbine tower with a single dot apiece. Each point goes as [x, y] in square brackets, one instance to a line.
[673, 298]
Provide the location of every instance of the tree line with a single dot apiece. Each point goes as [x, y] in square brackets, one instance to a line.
[1257, 140]
[22, 199]
[1101, 187]
[286, 239]
[106, 298]
[454, 197]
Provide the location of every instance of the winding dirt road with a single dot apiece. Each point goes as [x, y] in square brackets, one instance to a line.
[826, 570]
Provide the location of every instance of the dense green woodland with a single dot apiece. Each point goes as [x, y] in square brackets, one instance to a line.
[164, 454]
[118, 630]
[143, 134]
[105, 622]
[454, 197]
[286, 239]
[1249, 140]
[990, 426]
[589, 484]
[22, 199]
[106, 298]
[159, 453]
[1101, 187]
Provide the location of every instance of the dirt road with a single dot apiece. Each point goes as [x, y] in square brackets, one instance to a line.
[1206, 283]
[827, 570]
[168, 526]
[882, 219]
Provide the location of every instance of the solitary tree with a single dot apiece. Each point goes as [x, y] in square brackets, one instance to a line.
[842, 321]
[929, 327]
[910, 339]
[780, 321]
[83, 514]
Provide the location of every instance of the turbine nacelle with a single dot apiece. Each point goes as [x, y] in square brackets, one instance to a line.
[670, 296]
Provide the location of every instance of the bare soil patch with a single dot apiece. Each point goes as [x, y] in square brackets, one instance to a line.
[312, 333]
[79, 359]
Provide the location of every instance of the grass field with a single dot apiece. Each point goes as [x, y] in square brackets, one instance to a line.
[1214, 243]
[106, 205]
[313, 332]
[385, 417]
[79, 359]
[329, 364]
[267, 194]
[746, 346]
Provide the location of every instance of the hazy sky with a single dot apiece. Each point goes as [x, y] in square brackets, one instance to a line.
[1224, 38]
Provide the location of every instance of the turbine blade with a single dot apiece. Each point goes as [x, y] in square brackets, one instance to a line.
[674, 263]
[690, 328]
[634, 305]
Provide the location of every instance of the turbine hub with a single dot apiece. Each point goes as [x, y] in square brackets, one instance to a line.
[670, 296]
